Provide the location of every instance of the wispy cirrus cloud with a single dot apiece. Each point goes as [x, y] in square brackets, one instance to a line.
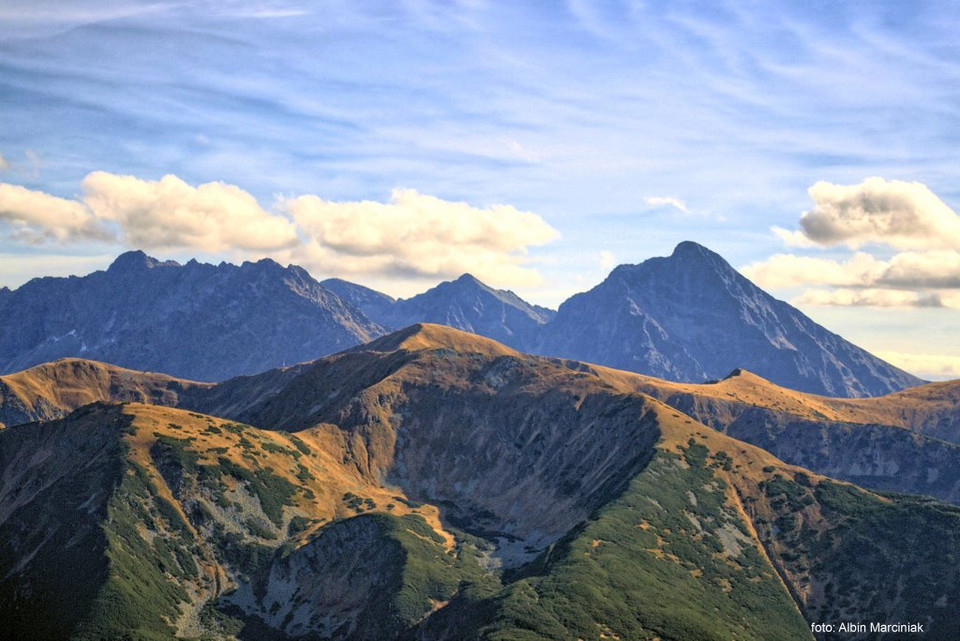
[576, 110]
[667, 201]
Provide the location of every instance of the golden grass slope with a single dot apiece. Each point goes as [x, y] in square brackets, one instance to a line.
[52, 390]
[311, 460]
[930, 409]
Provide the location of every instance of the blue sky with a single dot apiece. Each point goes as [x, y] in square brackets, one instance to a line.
[389, 142]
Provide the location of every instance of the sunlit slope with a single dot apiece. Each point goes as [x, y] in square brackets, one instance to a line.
[140, 517]
[55, 389]
[437, 485]
[898, 442]
[932, 409]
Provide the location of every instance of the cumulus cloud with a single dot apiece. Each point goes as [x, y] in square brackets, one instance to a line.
[904, 215]
[419, 235]
[793, 237]
[412, 235]
[869, 298]
[928, 366]
[168, 213]
[149, 214]
[933, 269]
[906, 270]
[789, 270]
[37, 217]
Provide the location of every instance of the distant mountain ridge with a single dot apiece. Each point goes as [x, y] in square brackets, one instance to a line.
[465, 303]
[692, 317]
[689, 317]
[195, 321]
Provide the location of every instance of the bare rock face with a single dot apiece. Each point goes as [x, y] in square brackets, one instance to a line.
[195, 321]
[692, 317]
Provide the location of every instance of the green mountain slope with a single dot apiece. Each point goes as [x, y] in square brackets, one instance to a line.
[437, 485]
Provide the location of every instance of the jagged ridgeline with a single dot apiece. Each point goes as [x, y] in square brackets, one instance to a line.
[687, 317]
[437, 485]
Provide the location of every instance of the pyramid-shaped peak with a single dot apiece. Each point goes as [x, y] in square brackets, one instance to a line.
[746, 376]
[689, 251]
[469, 280]
[687, 257]
[691, 248]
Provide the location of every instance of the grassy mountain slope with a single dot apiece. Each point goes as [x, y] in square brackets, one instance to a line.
[158, 512]
[437, 485]
[53, 390]
[717, 539]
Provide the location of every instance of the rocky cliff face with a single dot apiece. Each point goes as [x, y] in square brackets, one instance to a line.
[195, 321]
[692, 317]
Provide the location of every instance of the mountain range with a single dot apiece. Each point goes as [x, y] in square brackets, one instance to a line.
[196, 320]
[689, 317]
[434, 484]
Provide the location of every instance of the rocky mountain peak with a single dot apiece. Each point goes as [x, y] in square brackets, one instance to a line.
[138, 260]
[692, 317]
[469, 280]
[688, 249]
[199, 321]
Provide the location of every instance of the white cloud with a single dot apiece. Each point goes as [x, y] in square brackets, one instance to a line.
[169, 214]
[793, 238]
[37, 217]
[869, 298]
[789, 270]
[932, 269]
[413, 236]
[906, 270]
[667, 201]
[904, 215]
[607, 260]
[928, 366]
[420, 236]
[4, 163]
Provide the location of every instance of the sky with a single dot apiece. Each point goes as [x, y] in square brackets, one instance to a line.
[535, 145]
